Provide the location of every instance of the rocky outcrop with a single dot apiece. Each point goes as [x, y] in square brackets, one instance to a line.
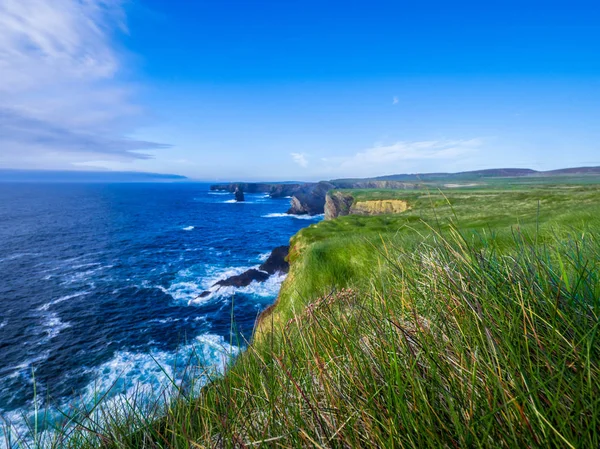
[239, 194]
[284, 190]
[244, 279]
[276, 263]
[275, 190]
[310, 199]
[337, 203]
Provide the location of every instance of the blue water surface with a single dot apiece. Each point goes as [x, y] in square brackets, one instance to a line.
[99, 282]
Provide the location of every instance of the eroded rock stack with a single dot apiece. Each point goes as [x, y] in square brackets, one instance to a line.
[239, 195]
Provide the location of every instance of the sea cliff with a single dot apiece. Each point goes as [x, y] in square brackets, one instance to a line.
[309, 198]
[341, 203]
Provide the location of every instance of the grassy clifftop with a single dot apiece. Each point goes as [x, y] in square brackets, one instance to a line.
[469, 320]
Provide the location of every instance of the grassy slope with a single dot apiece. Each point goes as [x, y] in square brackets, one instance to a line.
[339, 253]
[470, 320]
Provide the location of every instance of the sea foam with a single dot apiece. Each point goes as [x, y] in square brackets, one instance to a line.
[53, 325]
[157, 376]
[299, 217]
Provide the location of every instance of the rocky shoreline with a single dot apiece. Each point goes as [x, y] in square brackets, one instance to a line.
[308, 198]
[276, 263]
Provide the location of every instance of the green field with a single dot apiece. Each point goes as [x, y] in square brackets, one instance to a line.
[470, 320]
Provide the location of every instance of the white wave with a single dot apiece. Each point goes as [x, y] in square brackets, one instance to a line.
[219, 192]
[264, 256]
[267, 289]
[18, 256]
[190, 283]
[188, 228]
[84, 275]
[231, 201]
[54, 325]
[299, 217]
[24, 369]
[156, 376]
[85, 265]
[3, 323]
[167, 320]
[46, 306]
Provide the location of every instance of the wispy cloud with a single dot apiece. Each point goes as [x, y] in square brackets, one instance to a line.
[61, 101]
[395, 101]
[402, 157]
[300, 158]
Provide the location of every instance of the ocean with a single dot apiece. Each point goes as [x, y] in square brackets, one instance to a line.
[100, 285]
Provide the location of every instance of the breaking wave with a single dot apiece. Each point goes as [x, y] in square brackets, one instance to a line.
[299, 217]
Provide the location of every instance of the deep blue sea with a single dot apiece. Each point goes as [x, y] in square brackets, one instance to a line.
[99, 284]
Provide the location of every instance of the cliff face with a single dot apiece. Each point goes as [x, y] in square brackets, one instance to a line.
[378, 207]
[310, 199]
[337, 204]
[340, 203]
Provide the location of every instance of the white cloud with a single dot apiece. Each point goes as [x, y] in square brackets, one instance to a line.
[395, 101]
[60, 98]
[300, 159]
[402, 157]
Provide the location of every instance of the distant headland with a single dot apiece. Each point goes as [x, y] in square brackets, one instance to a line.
[310, 198]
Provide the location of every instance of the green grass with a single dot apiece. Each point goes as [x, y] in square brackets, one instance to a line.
[470, 320]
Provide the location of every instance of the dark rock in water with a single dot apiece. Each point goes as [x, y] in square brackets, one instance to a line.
[239, 195]
[275, 190]
[244, 279]
[310, 199]
[276, 261]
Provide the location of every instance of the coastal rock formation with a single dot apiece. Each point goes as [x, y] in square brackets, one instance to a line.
[337, 204]
[244, 279]
[275, 190]
[310, 199]
[284, 190]
[239, 194]
[340, 203]
[276, 263]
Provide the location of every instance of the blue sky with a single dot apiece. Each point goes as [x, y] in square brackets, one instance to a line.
[303, 90]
